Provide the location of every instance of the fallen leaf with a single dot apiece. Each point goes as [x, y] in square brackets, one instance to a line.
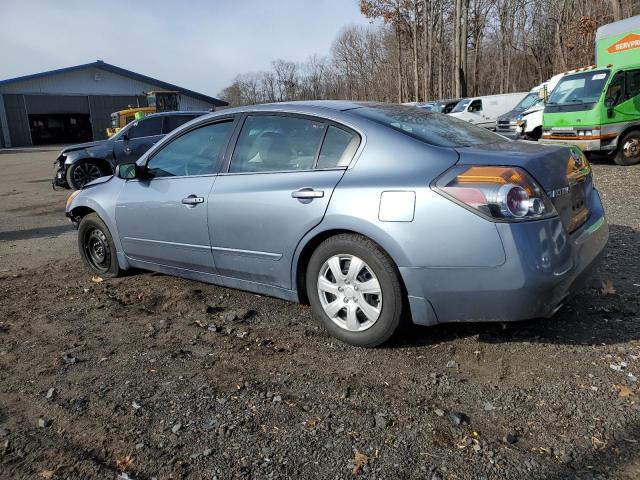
[607, 288]
[359, 461]
[312, 423]
[200, 323]
[623, 391]
[597, 443]
[96, 279]
[124, 463]
[46, 474]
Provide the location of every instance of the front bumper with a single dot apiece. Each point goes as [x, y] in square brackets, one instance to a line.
[584, 145]
[60, 173]
[543, 266]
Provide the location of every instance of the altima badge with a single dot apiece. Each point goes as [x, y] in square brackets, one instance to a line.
[558, 192]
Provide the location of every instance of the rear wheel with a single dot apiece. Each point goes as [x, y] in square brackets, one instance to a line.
[354, 289]
[629, 149]
[96, 247]
[83, 172]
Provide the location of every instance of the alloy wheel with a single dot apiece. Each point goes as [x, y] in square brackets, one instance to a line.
[349, 292]
[84, 173]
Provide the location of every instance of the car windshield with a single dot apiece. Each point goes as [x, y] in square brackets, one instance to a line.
[461, 106]
[433, 128]
[528, 101]
[579, 88]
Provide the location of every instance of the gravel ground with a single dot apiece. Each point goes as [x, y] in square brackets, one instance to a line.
[149, 376]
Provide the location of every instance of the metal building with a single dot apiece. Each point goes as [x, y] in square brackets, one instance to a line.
[74, 104]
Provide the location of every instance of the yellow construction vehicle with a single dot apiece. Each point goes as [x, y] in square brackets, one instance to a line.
[159, 101]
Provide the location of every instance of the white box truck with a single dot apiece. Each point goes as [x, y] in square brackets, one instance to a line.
[529, 122]
[484, 111]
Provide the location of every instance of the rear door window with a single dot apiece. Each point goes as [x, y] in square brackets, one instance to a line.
[171, 122]
[338, 148]
[147, 127]
[271, 143]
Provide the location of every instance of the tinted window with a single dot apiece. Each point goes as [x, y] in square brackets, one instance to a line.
[338, 148]
[476, 106]
[171, 122]
[146, 127]
[433, 128]
[633, 83]
[273, 143]
[194, 153]
[461, 106]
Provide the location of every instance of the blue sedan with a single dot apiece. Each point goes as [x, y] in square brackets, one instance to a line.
[372, 213]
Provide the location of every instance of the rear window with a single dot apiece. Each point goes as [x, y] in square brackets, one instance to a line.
[433, 128]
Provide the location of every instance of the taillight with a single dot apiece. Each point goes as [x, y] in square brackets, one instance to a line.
[502, 193]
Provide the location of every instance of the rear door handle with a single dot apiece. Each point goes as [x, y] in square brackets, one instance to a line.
[192, 200]
[307, 193]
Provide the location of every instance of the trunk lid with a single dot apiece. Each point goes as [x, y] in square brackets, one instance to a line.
[562, 172]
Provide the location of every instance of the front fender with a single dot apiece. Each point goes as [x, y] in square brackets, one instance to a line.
[102, 198]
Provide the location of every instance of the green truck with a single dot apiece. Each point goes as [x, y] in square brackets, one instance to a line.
[598, 107]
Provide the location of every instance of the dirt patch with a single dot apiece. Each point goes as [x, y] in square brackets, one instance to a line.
[154, 376]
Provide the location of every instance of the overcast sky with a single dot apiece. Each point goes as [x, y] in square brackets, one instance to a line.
[196, 44]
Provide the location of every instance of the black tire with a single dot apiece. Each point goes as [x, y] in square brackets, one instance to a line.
[386, 272]
[96, 247]
[82, 172]
[535, 135]
[629, 149]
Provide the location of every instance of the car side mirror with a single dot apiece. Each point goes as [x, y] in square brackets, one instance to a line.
[127, 171]
[125, 136]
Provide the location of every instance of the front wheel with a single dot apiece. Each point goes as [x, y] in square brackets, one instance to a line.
[96, 247]
[629, 149]
[83, 172]
[354, 289]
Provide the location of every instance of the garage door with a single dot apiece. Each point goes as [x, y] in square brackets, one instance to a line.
[56, 104]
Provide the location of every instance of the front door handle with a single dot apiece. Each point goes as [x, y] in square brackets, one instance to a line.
[307, 193]
[192, 200]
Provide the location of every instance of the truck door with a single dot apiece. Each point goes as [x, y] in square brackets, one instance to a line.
[624, 90]
[476, 113]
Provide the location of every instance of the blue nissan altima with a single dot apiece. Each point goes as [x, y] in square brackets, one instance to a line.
[372, 213]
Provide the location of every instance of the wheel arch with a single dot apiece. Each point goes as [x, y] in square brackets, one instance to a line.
[104, 164]
[631, 128]
[314, 238]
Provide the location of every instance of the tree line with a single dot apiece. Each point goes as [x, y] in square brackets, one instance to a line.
[418, 50]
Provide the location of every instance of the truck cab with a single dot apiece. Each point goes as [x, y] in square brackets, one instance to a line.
[598, 108]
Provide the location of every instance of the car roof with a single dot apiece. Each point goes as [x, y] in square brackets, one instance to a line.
[178, 112]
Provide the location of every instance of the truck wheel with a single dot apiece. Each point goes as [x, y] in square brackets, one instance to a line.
[535, 134]
[629, 149]
[96, 247]
[83, 172]
[354, 289]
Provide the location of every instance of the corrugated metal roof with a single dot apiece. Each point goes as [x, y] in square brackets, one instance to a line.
[120, 71]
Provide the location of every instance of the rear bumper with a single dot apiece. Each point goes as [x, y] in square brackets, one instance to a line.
[543, 267]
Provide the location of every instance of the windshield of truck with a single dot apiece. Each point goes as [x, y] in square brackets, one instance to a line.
[580, 88]
[528, 101]
[461, 106]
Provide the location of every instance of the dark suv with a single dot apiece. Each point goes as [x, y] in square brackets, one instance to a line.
[80, 164]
